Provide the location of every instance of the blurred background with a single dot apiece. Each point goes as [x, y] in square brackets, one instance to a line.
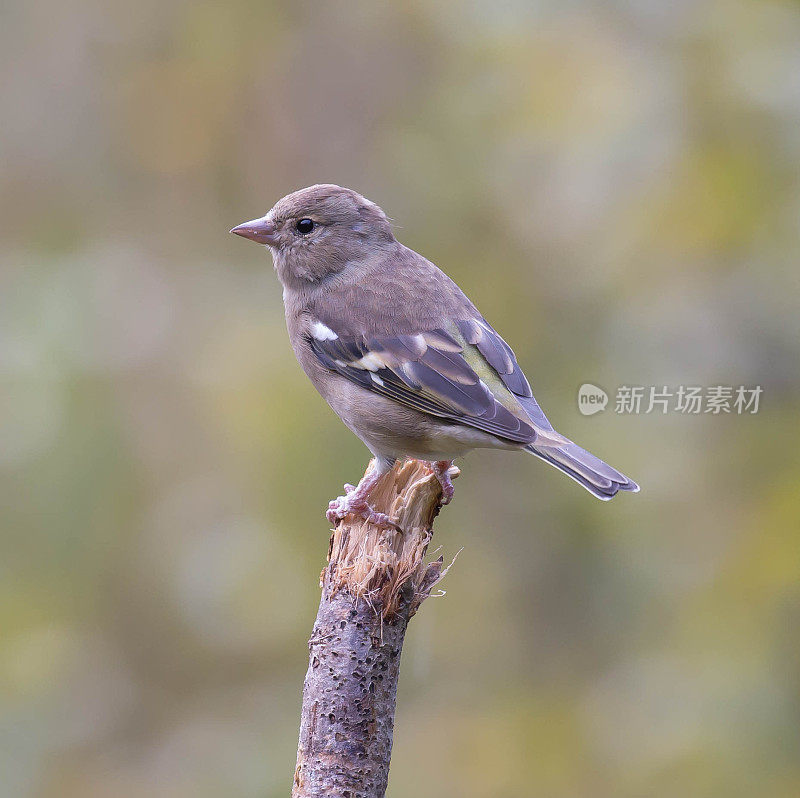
[617, 186]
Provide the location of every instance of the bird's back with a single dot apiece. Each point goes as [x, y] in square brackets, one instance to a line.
[397, 292]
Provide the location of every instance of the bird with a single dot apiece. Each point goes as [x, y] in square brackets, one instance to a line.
[399, 352]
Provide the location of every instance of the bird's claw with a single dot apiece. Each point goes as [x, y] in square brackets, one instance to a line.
[442, 469]
[343, 506]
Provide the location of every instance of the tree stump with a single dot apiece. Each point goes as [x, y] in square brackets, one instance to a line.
[375, 580]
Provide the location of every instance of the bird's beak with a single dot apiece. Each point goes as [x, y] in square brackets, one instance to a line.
[262, 231]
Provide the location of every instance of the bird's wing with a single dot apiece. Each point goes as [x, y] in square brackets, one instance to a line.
[465, 373]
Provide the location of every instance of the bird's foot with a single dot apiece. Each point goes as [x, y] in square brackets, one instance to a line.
[355, 501]
[441, 468]
[344, 505]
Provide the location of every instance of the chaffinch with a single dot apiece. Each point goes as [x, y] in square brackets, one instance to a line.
[398, 350]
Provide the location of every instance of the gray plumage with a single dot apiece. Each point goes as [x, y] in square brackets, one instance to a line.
[397, 349]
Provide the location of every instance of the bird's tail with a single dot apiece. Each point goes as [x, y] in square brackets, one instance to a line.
[599, 478]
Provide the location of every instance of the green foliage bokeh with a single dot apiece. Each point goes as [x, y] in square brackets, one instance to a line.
[617, 187]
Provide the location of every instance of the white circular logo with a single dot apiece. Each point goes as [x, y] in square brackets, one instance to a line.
[591, 399]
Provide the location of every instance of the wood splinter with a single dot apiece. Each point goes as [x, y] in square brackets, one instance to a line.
[375, 581]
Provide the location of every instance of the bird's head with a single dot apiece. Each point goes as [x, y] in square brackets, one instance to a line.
[318, 231]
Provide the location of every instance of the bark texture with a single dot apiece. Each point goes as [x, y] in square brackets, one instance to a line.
[373, 584]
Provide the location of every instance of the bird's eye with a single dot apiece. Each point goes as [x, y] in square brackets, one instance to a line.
[304, 226]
